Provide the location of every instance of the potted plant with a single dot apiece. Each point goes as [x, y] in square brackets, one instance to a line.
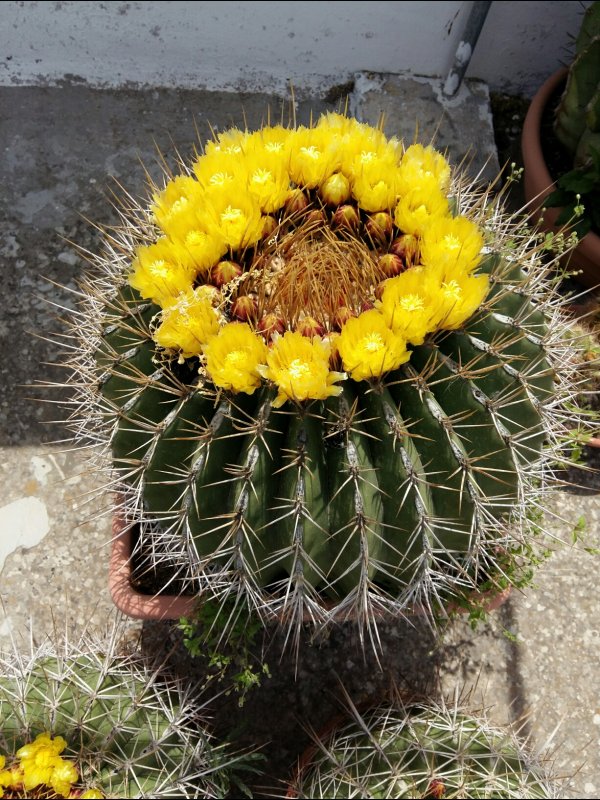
[82, 718]
[329, 376]
[562, 160]
[419, 750]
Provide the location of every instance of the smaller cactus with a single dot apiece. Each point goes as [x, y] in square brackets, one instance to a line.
[108, 721]
[577, 123]
[421, 751]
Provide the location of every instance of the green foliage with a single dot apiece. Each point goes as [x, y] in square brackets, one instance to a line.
[578, 196]
[577, 127]
[224, 636]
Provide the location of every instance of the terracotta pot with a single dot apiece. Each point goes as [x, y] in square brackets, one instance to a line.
[169, 606]
[539, 183]
[126, 598]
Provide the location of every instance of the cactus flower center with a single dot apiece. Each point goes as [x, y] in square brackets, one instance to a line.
[412, 302]
[373, 342]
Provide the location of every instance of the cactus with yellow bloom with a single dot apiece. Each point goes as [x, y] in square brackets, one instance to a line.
[330, 374]
[78, 719]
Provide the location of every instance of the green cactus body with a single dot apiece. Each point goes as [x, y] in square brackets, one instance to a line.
[421, 752]
[127, 733]
[576, 124]
[378, 489]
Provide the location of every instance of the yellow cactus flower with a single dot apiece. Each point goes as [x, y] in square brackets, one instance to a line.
[375, 188]
[299, 367]
[188, 324]
[234, 356]
[158, 273]
[268, 183]
[312, 159]
[91, 794]
[64, 775]
[419, 206]
[235, 216]
[452, 245]
[179, 196]
[219, 168]
[410, 304]
[229, 141]
[419, 162]
[200, 250]
[368, 347]
[459, 298]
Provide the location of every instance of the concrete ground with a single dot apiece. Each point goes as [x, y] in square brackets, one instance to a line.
[62, 149]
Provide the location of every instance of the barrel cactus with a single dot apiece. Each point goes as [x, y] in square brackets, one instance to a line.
[80, 720]
[421, 751]
[330, 374]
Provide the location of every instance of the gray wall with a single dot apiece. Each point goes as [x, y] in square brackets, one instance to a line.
[265, 46]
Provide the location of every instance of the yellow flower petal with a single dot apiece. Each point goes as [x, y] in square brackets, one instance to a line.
[233, 358]
[299, 367]
[369, 348]
[188, 324]
[158, 274]
[452, 245]
[410, 305]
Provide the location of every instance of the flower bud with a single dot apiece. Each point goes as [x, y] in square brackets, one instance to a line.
[315, 217]
[336, 189]
[225, 271]
[244, 308]
[269, 226]
[346, 216]
[296, 202]
[270, 324]
[308, 326]
[379, 226]
[390, 265]
[342, 315]
[406, 247]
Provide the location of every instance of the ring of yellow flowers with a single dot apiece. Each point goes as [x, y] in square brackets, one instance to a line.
[259, 208]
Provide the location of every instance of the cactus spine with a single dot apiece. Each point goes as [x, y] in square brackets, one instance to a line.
[421, 751]
[255, 471]
[128, 732]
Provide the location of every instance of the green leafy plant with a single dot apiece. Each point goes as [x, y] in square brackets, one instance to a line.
[228, 658]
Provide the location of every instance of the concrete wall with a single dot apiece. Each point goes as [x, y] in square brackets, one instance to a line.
[265, 46]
